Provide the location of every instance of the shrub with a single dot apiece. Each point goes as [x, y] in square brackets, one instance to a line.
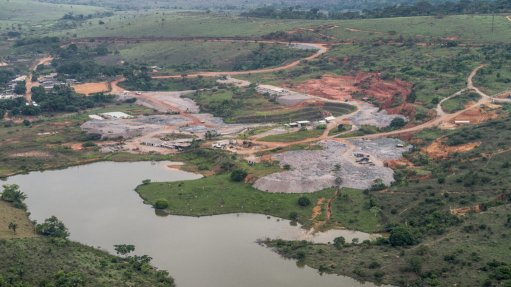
[238, 175]
[161, 204]
[146, 181]
[88, 144]
[304, 201]
[52, 227]
[397, 123]
[401, 236]
[293, 215]
[339, 242]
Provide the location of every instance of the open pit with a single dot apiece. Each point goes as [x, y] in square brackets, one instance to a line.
[389, 94]
[357, 162]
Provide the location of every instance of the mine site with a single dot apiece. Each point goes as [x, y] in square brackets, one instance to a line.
[330, 143]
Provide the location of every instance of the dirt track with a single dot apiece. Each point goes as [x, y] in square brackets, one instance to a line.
[322, 49]
[28, 81]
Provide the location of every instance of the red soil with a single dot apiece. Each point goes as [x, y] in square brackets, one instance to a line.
[389, 94]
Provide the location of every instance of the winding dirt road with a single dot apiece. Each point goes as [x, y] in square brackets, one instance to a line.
[321, 49]
[441, 117]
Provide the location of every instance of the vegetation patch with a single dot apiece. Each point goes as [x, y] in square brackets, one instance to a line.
[220, 194]
[458, 103]
[293, 136]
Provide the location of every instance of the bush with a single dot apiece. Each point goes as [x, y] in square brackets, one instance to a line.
[397, 123]
[339, 242]
[293, 216]
[238, 175]
[146, 181]
[52, 227]
[12, 193]
[304, 201]
[88, 144]
[161, 204]
[402, 236]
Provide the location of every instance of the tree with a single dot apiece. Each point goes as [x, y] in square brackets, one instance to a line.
[161, 204]
[397, 123]
[13, 226]
[402, 236]
[339, 242]
[304, 201]
[12, 193]
[238, 175]
[124, 249]
[53, 227]
[20, 88]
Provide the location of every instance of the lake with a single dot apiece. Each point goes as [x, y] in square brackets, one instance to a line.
[98, 204]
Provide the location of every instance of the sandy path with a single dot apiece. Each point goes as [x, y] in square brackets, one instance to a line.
[28, 81]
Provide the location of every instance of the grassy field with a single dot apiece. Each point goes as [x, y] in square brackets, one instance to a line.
[28, 11]
[293, 136]
[183, 56]
[219, 195]
[130, 24]
[183, 84]
[467, 28]
[10, 214]
[458, 103]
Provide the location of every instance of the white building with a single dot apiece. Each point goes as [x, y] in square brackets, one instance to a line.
[116, 115]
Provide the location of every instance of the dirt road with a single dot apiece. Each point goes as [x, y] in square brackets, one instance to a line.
[322, 49]
[28, 81]
[441, 117]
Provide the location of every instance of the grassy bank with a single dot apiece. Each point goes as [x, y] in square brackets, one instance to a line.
[219, 195]
[9, 214]
[444, 260]
[41, 261]
[293, 136]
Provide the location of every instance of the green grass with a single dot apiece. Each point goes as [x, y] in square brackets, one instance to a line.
[219, 195]
[351, 209]
[471, 28]
[184, 84]
[177, 56]
[133, 24]
[24, 11]
[36, 262]
[458, 103]
[293, 136]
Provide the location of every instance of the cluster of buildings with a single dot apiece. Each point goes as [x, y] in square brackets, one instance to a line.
[8, 93]
[178, 144]
[49, 81]
[303, 124]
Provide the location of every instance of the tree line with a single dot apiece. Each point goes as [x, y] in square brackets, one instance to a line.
[420, 8]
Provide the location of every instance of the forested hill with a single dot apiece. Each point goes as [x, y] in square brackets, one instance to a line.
[239, 4]
[421, 8]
